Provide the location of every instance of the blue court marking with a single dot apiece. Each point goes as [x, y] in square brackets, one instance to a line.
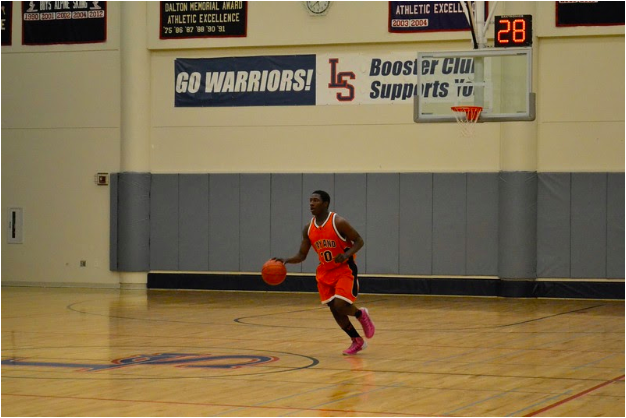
[597, 361]
[175, 359]
[164, 358]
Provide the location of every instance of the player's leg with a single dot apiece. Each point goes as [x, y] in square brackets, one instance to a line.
[343, 320]
[346, 292]
[339, 313]
[338, 307]
[327, 287]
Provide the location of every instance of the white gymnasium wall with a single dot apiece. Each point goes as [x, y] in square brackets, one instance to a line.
[355, 138]
[581, 102]
[61, 121]
[60, 126]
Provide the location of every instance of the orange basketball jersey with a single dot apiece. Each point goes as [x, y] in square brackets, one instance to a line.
[327, 242]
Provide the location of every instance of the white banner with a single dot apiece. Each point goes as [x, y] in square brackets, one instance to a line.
[389, 78]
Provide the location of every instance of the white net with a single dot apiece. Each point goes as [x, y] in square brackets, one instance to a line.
[467, 116]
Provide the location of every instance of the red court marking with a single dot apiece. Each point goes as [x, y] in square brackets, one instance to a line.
[571, 398]
[384, 414]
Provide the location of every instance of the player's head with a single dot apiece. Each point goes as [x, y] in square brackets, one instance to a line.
[319, 202]
[323, 195]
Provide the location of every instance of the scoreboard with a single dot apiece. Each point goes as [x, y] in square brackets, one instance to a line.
[513, 31]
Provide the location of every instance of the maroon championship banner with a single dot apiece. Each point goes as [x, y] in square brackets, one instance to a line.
[7, 22]
[203, 19]
[63, 22]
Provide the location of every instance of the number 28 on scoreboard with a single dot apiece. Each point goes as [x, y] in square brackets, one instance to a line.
[512, 31]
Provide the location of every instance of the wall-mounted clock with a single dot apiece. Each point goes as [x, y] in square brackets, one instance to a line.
[317, 8]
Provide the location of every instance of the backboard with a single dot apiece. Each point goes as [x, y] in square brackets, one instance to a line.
[499, 80]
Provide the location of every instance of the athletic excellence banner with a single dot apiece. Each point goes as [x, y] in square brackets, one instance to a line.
[203, 19]
[63, 22]
[427, 16]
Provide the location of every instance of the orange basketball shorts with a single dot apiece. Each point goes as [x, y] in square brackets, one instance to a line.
[341, 282]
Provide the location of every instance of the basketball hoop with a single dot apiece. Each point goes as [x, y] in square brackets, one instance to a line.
[467, 116]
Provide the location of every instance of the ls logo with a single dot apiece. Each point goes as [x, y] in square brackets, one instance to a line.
[161, 359]
[340, 81]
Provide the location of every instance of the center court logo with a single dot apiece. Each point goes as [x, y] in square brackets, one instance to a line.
[181, 360]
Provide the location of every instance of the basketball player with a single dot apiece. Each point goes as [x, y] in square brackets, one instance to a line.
[335, 242]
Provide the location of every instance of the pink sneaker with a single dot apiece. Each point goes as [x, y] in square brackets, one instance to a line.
[357, 345]
[366, 323]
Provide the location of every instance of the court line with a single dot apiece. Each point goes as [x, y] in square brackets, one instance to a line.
[239, 320]
[385, 413]
[548, 316]
[576, 396]
[468, 329]
[539, 403]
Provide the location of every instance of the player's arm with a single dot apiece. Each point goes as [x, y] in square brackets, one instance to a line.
[305, 246]
[346, 230]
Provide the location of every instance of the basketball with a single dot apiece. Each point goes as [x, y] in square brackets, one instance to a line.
[273, 272]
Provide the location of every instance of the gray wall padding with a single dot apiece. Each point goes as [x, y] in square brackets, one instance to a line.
[113, 197]
[383, 207]
[223, 231]
[254, 224]
[517, 225]
[580, 224]
[415, 233]
[615, 226]
[588, 223]
[193, 222]
[553, 225]
[286, 217]
[449, 223]
[164, 207]
[482, 224]
[133, 222]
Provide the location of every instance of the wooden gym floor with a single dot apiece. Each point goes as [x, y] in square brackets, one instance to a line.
[103, 352]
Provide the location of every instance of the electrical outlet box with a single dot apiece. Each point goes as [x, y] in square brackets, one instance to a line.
[102, 179]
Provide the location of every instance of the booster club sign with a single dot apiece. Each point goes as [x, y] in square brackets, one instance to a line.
[64, 22]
